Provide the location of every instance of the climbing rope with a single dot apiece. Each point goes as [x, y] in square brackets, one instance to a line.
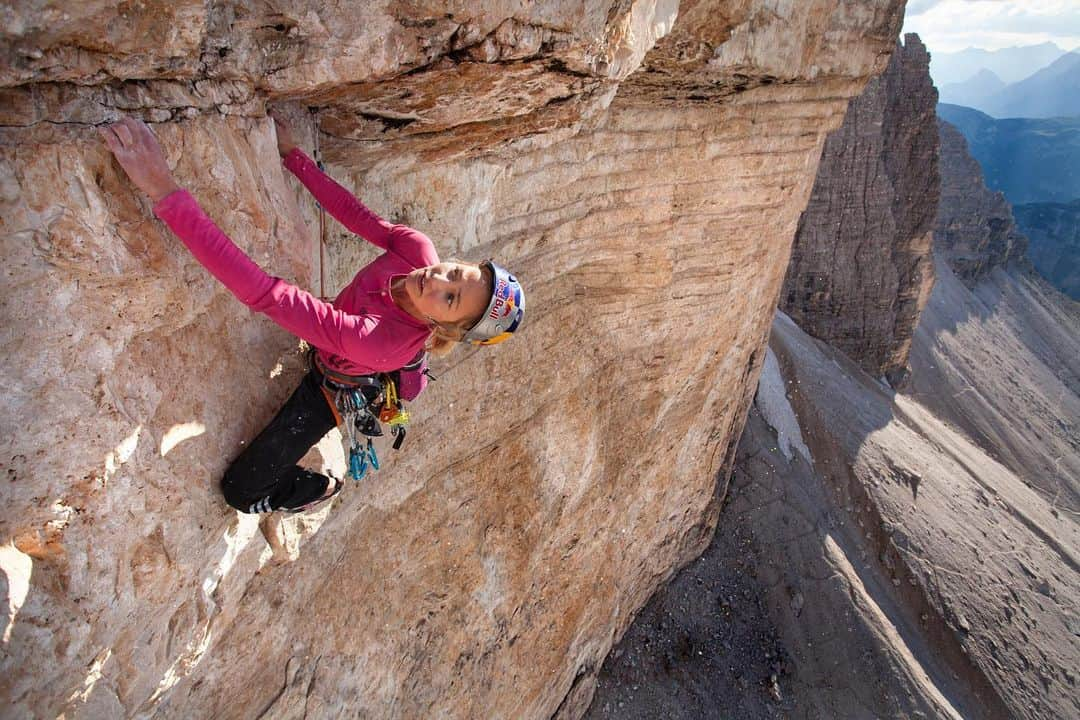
[322, 211]
[350, 402]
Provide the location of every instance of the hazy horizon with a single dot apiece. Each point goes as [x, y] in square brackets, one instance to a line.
[1010, 47]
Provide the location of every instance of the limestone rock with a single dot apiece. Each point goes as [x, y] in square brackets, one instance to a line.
[860, 269]
[971, 570]
[862, 574]
[975, 231]
[720, 48]
[377, 66]
[548, 485]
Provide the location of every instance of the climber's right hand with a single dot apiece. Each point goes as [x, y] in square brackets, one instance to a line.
[285, 142]
[134, 146]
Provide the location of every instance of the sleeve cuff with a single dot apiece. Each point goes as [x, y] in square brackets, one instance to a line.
[168, 203]
[295, 160]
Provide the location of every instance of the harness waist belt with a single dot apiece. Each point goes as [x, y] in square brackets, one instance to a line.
[341, 378]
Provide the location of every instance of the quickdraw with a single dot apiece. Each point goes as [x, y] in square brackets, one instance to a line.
[355, 413]
[359, 460]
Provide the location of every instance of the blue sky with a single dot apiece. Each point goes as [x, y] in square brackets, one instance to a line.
[951, 25]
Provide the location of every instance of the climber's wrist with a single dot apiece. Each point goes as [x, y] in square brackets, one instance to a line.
[161, 189]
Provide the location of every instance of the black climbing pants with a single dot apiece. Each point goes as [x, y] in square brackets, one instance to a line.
[265, 476]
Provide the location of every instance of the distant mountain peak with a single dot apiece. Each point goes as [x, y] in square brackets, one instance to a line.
[974, 91]
[984, 75]
[1009, 64]
[1053, 91]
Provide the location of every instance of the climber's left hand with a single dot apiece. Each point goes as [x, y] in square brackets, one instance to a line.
[285, 142]
[133, 144]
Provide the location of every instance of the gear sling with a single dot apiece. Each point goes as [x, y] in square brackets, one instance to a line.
[361, 403]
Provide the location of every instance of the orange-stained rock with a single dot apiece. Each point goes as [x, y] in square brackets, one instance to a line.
[548, 484]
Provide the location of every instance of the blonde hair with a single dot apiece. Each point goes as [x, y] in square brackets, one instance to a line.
[445, 336]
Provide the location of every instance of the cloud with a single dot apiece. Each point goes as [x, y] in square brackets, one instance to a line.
[947, 25]
[918, 7]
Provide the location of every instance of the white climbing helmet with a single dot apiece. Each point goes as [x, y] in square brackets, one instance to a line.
[504, 312]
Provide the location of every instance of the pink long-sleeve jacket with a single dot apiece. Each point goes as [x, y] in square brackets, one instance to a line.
[363, 331]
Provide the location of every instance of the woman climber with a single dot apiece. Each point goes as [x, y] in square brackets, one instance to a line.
[401, 305]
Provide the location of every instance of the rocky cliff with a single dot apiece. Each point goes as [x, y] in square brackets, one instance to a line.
[642, 166]
[884, 554]
[975, 231]
[860, 268]
[1007, 348]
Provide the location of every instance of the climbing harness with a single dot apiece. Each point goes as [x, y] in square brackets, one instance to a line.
[362, 403]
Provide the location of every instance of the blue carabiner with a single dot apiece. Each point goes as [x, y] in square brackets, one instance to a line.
[357, 463]
[372, 456]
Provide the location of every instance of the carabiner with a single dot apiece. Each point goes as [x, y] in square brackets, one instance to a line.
[371, 455]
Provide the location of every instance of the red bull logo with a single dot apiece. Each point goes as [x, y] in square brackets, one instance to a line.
[506, 301]
[505, 311]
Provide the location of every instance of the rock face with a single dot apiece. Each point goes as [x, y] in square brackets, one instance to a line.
[647, 194]
[883, 554]
[860, 268]
[449, 65]
[975, 231]
[884, 565]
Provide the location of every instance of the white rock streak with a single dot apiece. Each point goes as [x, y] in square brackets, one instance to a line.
[16, 567]
[776, 409]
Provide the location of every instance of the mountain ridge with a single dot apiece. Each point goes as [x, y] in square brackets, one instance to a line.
[1050, 92]
[973, 91]
[1010, 64]
[1053, 232]
[1028, 159]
